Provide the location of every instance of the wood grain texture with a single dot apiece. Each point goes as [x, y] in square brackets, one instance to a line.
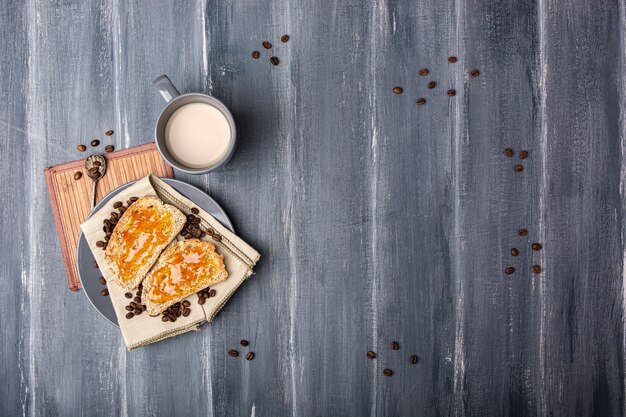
[378, 219]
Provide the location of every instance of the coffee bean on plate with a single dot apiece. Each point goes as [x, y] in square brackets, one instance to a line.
[284, 38]
[420, 101]
[395, 345]
[536, 246]
[109, 148]
[244, 342]
[267, 45]
[397, 90]
[81, 148]
[514, 252]
[475, 73]
[452, 92]
[509, 270]
[432, 85]
[371, 354]
[108, 132]
[452, 59]
[387, 372]
[95, 264]
[508, 152]
[95, 142]
[523, 154]
[250, 356]
[194, 210]
[413, 359]
[522, 232]
[536, 269]
[104, 292]
[129, 315]
[256, 54]
[233, 353]
[274, 60]
[78, 175]
[102, 281]
[97, 163]
[518, 168]
[423, 71]
[100, 244]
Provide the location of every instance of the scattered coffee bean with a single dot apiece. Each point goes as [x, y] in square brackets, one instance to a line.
[109, 148]
[387, 372]
[137, 299]
[81, 148]
[397, 90]
[133, 199]
[93, 170]
[212, 293]
[250, 356]
[256, 54]
[233, 353]
[522, 232]
[178, 313]
[108, 132]
[267, 45]
[104, 292]
[78, 175]
[186, 303]
[95, 142]
[432, 85]
[284, 38]
[518, 168]
[536, 246]
[244, 342]
[165, 318]
[97, 163]
[452, 59]
[118, 204]
[194, 210]
[523, 154]
[102, 281]
[129, 315]
[217, 238]
[475, 73]
[100, 244]
[210, 231]
[129, 308]
[371, 354]
[514, 252]
[509, 270]
[536, 269]
[95, 264]
[452, 92]
[395, 345]
[413, 359]
[138, 311]
[508, 152]
[186, 312]
[423, 72]
[274, 60]
[420, 101]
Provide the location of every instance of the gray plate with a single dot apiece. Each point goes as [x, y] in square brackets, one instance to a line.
[89, 275]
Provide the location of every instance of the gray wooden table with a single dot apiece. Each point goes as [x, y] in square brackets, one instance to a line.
[378, 219]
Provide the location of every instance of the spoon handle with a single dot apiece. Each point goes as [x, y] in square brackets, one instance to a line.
[93, 194]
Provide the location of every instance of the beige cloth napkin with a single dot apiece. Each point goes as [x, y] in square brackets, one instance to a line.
[239, 259]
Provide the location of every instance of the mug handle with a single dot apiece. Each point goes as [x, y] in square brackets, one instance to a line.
[166, 88]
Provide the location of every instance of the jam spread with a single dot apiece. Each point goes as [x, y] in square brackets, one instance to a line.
[147, 228]
[178, 274]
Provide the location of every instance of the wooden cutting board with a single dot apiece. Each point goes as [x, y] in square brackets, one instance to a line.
[70, 199]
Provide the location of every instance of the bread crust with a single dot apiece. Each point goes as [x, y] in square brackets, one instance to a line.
[116, 247]
[217, 273]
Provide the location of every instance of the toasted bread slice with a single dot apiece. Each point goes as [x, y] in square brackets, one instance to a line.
[184, 268]
[139, 237]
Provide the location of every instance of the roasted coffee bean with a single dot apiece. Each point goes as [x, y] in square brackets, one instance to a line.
[137, 299]
[522, 232]
[267, 45]
[95, 264]
[244, 342]
[186, 303]
[121, 209]
[518, 168]
[475, 73]
[128, 308]
[233, 353]
[188, 237]
[186, 312]
[256, 54]
[81, 148]
[78, 175]
[514, 252]
[420, 101]
[128, 295]
[217, 238]
[509, 270]
[371, 354]
[118, 204]
[129, 315]
[197, 233]
[190, 217]
[97, 163]
[413, 359]
[107, 237]
[165, 318]
[93, 170]
[108, 132]
[201, 300]
[210, 231]
[397, 90]
[144, 307]
[423, 71]
[536, 269]
[508, 152]
[249, 356]
[202, 234]
[452, 92]
[536, 246]
[274, 60]
[523, 154]
[284, 38]
[212, 293]
[109, 148]
[195, 210]
[133, 304]
[178, 313]
[115, 215]
[100, 244]
[104, 292]
[452, 59]
[138, 311]
[197, 220]
[432, 85]
[95, 142]
[395, 345]
[102, 281]
[387, 372]
[133, 199]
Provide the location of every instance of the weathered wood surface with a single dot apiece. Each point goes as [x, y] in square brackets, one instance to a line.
[378, 219]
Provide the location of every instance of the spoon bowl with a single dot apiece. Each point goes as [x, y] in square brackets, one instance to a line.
[96, 167]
